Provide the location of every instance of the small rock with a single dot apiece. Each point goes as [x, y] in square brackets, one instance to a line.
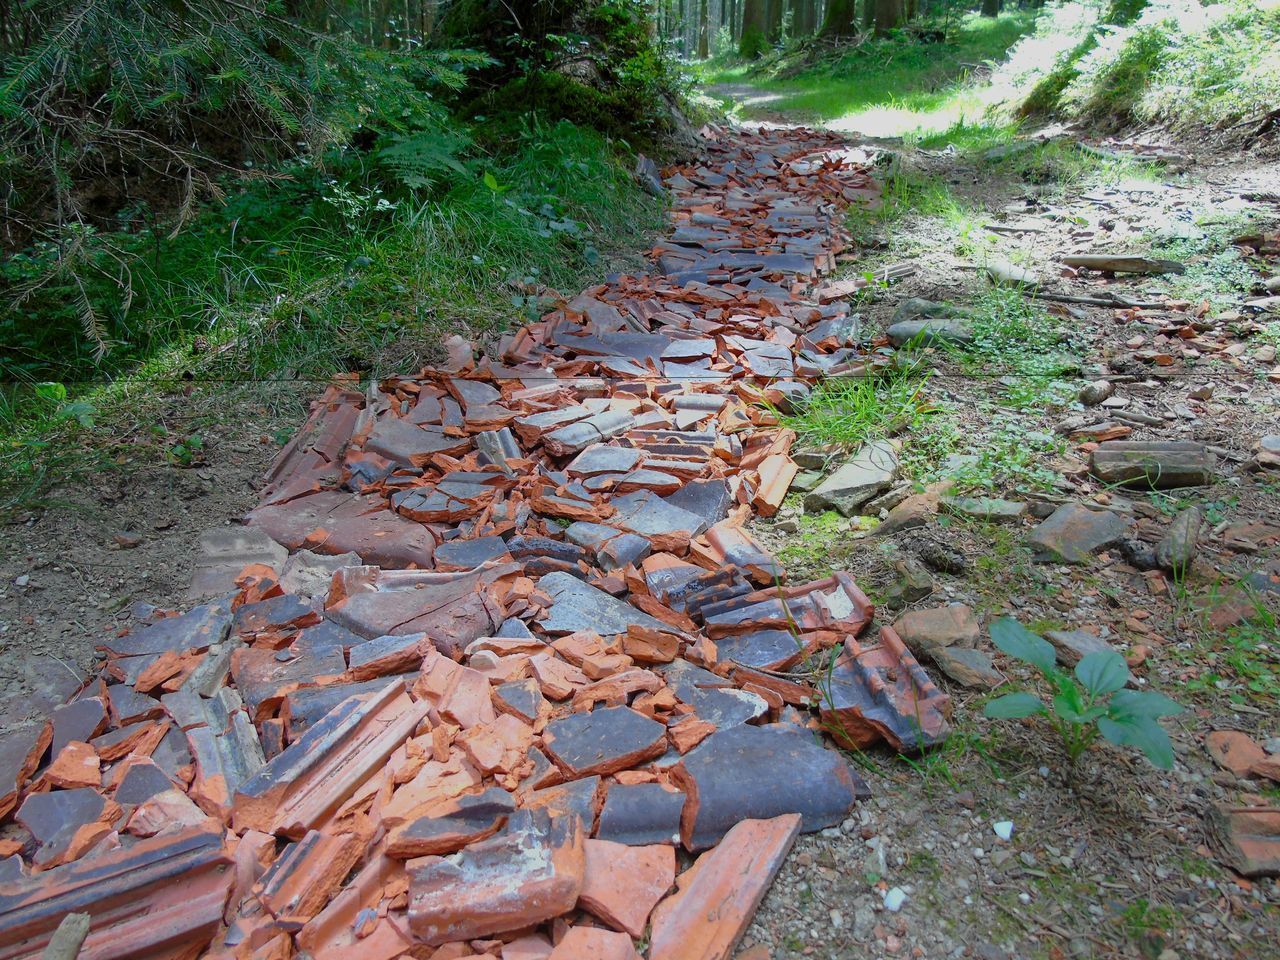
[917, 308]
[1178, 548]
[969, 668]
[894, 899]
[1075, 532]
[1138, 554]
[943, 558]
[914, 583]
[127, 540]
[1266, 455]
[914, 511]
[1073, 645]
[1002, 271]
[1092, 394]
[988, 509]
[887, 500]
[871, 471]
[924, 631]
[929, 332]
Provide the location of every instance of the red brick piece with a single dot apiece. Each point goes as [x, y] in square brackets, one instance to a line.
[719, 894]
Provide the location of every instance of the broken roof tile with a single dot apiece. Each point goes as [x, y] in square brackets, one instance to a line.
[158, 893]
[299, 789]
[717, 897]
[602, 741]
[622, 884]
[452, 825]
[641, 813]
[748, 772]
[529, 873]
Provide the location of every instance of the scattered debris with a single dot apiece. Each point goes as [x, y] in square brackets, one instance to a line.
[497, 638]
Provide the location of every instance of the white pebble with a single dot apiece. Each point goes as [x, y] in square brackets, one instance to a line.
[1003, 829]
[894, 899]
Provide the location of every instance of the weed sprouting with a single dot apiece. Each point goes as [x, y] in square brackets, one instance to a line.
[1091, 703]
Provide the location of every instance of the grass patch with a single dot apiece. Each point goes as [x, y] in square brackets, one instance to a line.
[851, 411]
[884, 87]
[1002, 454]
[821, 539]
[1178, 62]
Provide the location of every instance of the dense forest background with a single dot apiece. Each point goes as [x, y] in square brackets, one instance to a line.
[267, 190]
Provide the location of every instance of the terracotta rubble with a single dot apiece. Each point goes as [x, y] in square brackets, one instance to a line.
[497, 651]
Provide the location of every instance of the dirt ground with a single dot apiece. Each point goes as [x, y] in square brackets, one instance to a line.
[118, 538]
[1108, 860]
[1111, 859]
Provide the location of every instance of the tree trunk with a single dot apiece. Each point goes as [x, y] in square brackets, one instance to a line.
[868, 15]
[704, 31]
[805, 19]
[754, 41]
[889, 15]
[841, 19]
[991, 8]
[773, 20]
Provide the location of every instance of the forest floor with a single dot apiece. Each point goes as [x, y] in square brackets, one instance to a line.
[1106, 859]
[1110, 859]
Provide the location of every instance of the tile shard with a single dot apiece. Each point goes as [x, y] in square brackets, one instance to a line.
[299, 789]
[622, 884]
[882, 692]
[719, 894]
[749, 772]
[603, 741]
[1246, 838]
[531, 872]
[165, 893]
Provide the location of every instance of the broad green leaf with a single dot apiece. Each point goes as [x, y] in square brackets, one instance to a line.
[1142, 703]
[1103, 672]
[51, 391]
[1068, 705]
[491, 181]
[1019, 642]
[1013, 706]
[1143, 733]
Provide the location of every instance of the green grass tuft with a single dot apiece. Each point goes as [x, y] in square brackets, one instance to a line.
[851, 411]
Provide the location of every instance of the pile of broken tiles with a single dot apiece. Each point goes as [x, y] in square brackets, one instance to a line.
[523, 650]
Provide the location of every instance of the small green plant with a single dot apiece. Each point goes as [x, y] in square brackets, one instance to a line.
[1089, 703]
